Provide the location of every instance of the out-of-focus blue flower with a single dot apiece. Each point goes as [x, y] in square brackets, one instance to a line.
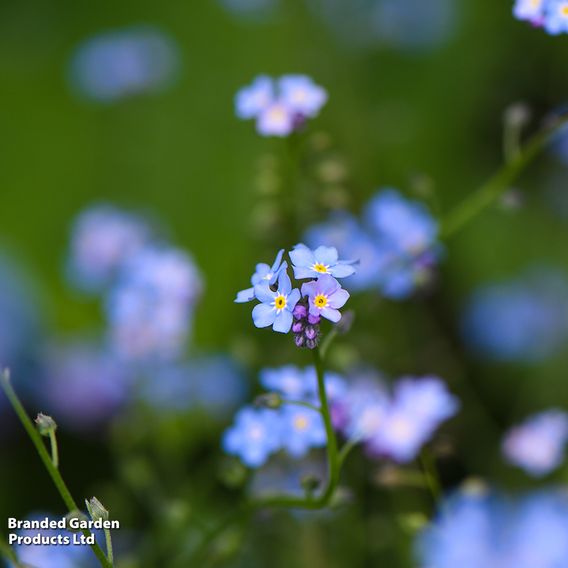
[103, 237]
[263, 273]
[416, 410]
[49, 553]
[314, 263]
[250, 101]
[275, 308]
[302, 429]
[150, 307]
[537, 445]
[84, 385]
[302, 95]
[523, 320]
[325, 296]
[529, 10]
[122, 63]
[344, 233]
[213, 383]
[396, 245]
[396, 425]
[280, 107]
[254, 436]
[556, 17]
[408, 25]
[476, 529]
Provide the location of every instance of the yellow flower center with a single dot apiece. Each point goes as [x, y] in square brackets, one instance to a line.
[277, 114]
[564, 10]
[280, 302]
[300, 423]
[321, 268]
[320, 301]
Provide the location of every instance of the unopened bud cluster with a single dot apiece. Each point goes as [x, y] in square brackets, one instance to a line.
[306, 328]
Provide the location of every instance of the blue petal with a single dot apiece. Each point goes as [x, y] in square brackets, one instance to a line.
[263, 315]
[326, 255]
[278, 260]
[342, 270]
[284, 283]
[331, 314]
[262, 269]
[301, 255]
[263, 292]
[245, 296]
[301, 272]
[283, 322]
[293, 298]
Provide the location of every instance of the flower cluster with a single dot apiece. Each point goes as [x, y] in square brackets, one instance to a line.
[300, 310]
[396, 424]
[257, 433]
[122, 63]
[150, 287]
[552, 15]
[393, 425]
[520, 320]
[476, 528]
[537, 445]
[395, 243]
[280, 106]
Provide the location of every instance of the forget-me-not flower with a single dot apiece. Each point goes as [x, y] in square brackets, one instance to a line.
[322, 260]
[556, 17]
[250, 101]
[263, 273]
[255, 435]
[301, 94]
[537, 445]
[325, 296]
[276, 307]
[529, 10]
[302, 429]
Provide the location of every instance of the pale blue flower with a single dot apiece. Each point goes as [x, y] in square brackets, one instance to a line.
[530, 10]
[309, 263]
[263, 273]
[325, 296]
[556, 17]
[537, 445]
[277, 306]
[276, 119]
[302, 429]
[255, 435]
[302, 95]
[250, 101]
[289, 381]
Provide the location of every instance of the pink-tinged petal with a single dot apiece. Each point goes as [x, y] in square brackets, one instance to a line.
[283, 322]
[263, 315]
[338, 299]
[301, 255]
[245, 296]
[309, 288]
[331, 314]
[327, 285]
[263, 293]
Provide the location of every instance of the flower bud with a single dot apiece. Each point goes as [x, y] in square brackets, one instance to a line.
[313, 320]
[96, 509]
[297, 327]
[300, 311]
[45, 424]
[311, 343]
[311, 332]
[74, 515]
[310, 483]
[269, 400]
[299, 340]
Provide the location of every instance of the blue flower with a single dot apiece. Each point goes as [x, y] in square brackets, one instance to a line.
[276, 307]
[537, 445]
[277, 119]
[123, 63]
[302, 429]
[250, 101]
[325, 297]
[263, 272]
[255, 435]
[323, 260]
[302, 95]
[529, 10]
[479, 528]
[556, 17]
[417, 408]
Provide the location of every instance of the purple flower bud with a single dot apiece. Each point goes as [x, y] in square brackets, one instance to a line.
[311, 332]
[297, 327]
[299, 340]
[314, 320]
[300, 311]
[311, 343]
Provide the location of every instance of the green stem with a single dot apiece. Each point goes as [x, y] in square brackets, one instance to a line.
[488, 193]
[301, 403]
[108, 540]
[346, 450]
[431, 475]
[54, 449]
[46, 459]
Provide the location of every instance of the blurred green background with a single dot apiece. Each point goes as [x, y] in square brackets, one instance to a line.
[395, 117]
